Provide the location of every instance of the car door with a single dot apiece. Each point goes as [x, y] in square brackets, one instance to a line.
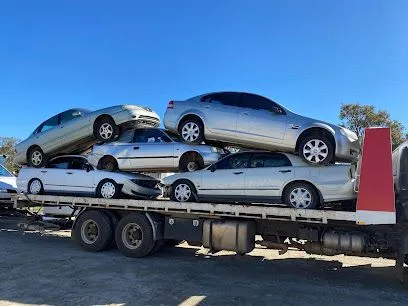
[267, 175]
[261, 120]
[48, 134]
[73, 126]
[79, 176]
[150, 149]
[225, 180]
[54, 176]
[221, 111]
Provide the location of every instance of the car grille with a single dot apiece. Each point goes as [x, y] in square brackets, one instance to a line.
[151, 184]
[148, 121]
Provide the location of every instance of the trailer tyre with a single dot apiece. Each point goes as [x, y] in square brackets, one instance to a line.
[134, 236]
[93, 231]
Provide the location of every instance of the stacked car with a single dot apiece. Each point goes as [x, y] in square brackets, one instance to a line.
[285, 157]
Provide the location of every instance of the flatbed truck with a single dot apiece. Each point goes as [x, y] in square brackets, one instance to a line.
[376, 227]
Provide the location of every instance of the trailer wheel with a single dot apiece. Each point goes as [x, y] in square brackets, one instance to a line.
[134, 236]
[93, 231]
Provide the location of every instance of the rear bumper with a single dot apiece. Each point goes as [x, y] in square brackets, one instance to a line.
[134, 190]
[347, 150]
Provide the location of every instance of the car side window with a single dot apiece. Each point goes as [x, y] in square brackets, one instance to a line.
[236, 161]
[270, 160]
[49, 124]
[70, 114]
[150, 136]
[225, 98]
[59, 163]
[78, 164]
[261, 103]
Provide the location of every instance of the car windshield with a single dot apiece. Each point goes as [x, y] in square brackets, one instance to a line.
[4, 172]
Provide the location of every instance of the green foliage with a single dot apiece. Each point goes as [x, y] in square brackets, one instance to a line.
[7, 149]
[357, 117]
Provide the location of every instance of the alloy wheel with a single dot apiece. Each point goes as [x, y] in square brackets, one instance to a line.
[106, 131]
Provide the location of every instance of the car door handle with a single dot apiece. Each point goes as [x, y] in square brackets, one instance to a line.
[238, 173]
[285, 171]
[207, 106]
[43, 171]
[69, 172]
[136, 148]
[245, 113]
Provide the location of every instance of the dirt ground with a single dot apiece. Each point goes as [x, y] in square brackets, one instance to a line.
[50, 269]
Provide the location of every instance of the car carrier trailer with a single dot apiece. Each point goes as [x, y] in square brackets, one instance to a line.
[377, 227]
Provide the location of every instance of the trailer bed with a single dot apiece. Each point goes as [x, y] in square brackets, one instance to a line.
[254, 211]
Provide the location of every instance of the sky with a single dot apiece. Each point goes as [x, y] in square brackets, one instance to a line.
[310, 56]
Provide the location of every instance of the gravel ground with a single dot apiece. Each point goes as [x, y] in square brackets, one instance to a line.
[50, 269]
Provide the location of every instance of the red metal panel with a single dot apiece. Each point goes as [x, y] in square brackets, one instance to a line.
[376, 186]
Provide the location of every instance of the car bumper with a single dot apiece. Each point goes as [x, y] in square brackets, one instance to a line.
[334, 193]
[347, 150]
[136, 118]
[135, 190]
[170, 121]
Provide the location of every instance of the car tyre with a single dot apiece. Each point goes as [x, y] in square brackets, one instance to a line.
[182, 191]
[36, 157]
[108, 163]
[134, 236]
[301, 196]
[191, 162]
[192, 131]
[93, 231]
[108, 189]
[316, 149]
[105, 129]
[35, 186]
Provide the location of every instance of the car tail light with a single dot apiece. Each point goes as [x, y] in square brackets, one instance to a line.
[171, 104]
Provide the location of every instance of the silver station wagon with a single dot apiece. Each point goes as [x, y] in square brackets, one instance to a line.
[75, 130]
[152, 149]
[253, 121]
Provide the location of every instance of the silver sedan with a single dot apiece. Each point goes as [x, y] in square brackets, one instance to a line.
[264, 177]
[253, 121]
[152, 149]
[75, 130]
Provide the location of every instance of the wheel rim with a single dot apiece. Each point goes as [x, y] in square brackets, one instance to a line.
[108, 190]
[35, 187]
[36, 158]
[106, 131]
[190, 131]
[89, 231]
[132, 236]
[182, 192]
[315, 151]
[192, 166]
[300, 198]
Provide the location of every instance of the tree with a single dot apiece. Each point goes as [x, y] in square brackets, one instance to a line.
[7, 150]
[357, 117]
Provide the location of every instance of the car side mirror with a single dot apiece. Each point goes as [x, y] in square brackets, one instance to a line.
[88, 168]
[213, 168]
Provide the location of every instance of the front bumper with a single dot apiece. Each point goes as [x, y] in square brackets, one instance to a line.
[347, 150]
[135, 190]
[136, 118]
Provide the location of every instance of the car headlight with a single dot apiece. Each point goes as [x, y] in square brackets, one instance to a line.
[349, 134]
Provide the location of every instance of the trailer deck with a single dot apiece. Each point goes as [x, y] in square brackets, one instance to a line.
[164, 206]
